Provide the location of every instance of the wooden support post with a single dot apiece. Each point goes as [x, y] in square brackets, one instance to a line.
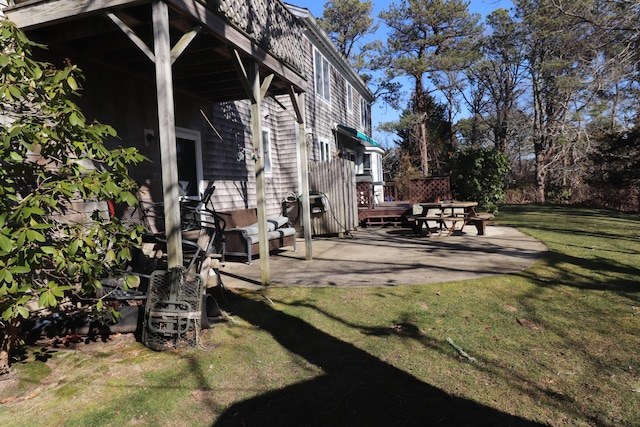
[304, 170]
[167, 132]
[258, 144]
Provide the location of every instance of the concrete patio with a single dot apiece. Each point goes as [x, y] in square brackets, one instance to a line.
[379, 256]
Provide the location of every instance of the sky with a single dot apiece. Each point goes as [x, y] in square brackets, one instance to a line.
[381, 113]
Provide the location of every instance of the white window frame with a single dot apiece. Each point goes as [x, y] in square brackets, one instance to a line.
[193, 135]
[325, 153]
[367, 158]
[267, 159]
[322, 75]
[349, 91]
[364, 114]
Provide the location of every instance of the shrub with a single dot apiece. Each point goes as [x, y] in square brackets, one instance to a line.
[52, 163]
[479, 174]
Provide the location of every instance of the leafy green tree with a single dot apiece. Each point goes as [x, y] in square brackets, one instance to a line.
[499, 74]
[559, 51]
[478, 174]
[53, 163]
[616, 162]
[347, 23]
[427, 39]
[408, 129]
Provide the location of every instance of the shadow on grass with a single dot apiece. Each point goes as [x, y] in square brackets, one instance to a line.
[589, 223]
[591, 273]
[356, 390]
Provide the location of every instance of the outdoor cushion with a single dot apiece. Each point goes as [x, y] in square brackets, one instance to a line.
[273, 223]
[277, 222]
[251, 230]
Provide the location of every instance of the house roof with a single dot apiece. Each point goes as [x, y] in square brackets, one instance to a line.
[110, 32]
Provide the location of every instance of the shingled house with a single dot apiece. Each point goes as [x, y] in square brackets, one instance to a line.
[241, 94]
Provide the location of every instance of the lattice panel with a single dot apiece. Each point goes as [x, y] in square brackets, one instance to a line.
[364, 194]
[427, 190]
[269, 23]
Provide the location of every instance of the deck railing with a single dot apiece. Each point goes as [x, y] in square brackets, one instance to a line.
[269, 23]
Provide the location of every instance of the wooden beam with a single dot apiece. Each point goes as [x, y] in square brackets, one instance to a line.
[183, 43]
[264, 88]
[167, 132]
[284, 107]
[132, 36]
[296, 107]
[244, 77]
[32, 15]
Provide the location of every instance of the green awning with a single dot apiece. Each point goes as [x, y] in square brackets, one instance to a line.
[357, 134]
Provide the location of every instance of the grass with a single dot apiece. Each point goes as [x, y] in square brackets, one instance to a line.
[556, 344]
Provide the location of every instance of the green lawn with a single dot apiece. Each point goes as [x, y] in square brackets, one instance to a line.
[557, 344]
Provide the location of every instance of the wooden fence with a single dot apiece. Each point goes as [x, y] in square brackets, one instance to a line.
[425, 190]
[334, 206]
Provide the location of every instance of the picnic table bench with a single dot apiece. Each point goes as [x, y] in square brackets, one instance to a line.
[447, 215]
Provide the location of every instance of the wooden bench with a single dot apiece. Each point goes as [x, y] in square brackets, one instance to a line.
[241, 233]
[480, 220]
[419, 222]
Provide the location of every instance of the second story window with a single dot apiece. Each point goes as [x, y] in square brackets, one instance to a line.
[349, 97]
[323, 83]
[365, 119]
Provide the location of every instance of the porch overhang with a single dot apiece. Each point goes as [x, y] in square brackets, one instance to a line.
[207, 67]
[359, 136]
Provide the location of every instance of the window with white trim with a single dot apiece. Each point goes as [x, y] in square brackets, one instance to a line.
[349, 97]
[189, 155]
[323, 82]
[324, 151]
[366, 164]
[266, 156]
[364, 113]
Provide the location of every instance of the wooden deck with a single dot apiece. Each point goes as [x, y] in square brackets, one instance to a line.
[386, 213]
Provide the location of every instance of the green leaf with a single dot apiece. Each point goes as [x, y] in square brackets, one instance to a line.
[23, 311]
[37, 73]
[42, 299]
[4, 60]
[58, 291]
[72, 83]
[35, 236]
[73, 247]
[19, 269]
[5, 243]
[15, 92]
[16, 157]
[75, 120]
[49, 250]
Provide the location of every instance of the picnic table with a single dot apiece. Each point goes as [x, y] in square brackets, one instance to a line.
[447, 215]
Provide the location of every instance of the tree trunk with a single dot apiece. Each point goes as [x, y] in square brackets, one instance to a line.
[424, 145]
[541, 176]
